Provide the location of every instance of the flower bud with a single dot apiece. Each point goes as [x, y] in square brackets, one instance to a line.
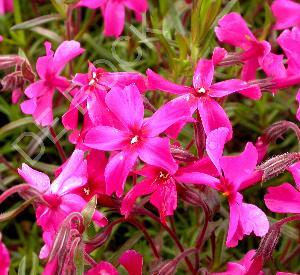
[8, 61]
[181, 154]
[277, 165]
[268, 243]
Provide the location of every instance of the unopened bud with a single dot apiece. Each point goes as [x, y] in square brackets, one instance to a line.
[27, 72]
[12, 81]
[268, 243]
[181, 154]
[277, 165]
[8, 61]
[276, 130]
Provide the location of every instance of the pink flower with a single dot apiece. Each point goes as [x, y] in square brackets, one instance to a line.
[49, 68]
[233, 30]
[162, 187]
[203, 94]
[91, 96]
[137, 137]
[6, 6]
[5, 259]
[237, 173]
[289, 41]
[283, 199]
[241, 267]
[130, 259]
[1, 38]
[58, 198]
[114, 12]
[286, 13]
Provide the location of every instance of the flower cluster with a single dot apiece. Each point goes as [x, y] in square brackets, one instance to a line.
[128, 153]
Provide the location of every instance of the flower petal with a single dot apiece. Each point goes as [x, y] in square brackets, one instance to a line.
[283, 199]
[65, 52]
[204, 74]
[73, 175]
[174, 111]
[132, 261]
[127, 105]
[157, 82]
[215, 142]
[232, 29]
[156, 152]
[287, 14]
[106, 138]
[213, 116]
[34, 178]
[140, 6]
[239, 168]
[144, 188]
[117, 170]
[114, 18]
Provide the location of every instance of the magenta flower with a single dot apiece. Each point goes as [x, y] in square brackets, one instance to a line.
[138, 137]
[5, 259]
[162, 187]
[114, 12]
[49, 68]
[286, 13]
[241, 267]
[130, 259]
[289, 41]
[237, 173]
[58, 199]
[283, 199]
[233, 30]
[6, 6]
[203, 94]
[91, 96]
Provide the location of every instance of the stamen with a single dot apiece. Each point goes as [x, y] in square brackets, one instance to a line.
[86, 191]
[134, 140]
[202, 91]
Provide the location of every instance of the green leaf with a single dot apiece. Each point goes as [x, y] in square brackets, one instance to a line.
[36, 22]
[22, 267]
[89, 211]
[35, 263]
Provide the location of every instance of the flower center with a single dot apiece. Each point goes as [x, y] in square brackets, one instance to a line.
[201, 91]
[86, 191]
[134, 140]
[163, 175]
[53, 200]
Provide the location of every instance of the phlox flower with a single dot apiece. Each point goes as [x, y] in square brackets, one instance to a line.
[203, 94]
[6, 6]
[235, 174]
[58, 199]
[5, 259]
[114, 12]
[232, 29]
[137, 137]
[90, 96]
[49, 68]
[162, 187]
[241, 267]
[286, 13]
[130, 259]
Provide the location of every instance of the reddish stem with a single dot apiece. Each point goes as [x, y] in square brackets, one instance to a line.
[58, 146]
